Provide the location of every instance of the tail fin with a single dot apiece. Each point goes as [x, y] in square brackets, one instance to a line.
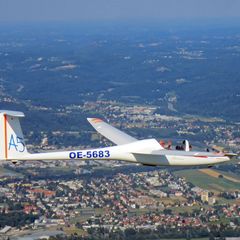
[12, 146]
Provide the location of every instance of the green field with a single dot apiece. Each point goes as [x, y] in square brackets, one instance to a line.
[188, 209]
[73, 230]
[229, 174]
[205, 181]
[84, 217]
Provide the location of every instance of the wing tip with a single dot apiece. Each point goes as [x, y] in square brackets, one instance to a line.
[94, 120]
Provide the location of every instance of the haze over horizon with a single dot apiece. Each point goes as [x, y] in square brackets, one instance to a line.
[96, 10]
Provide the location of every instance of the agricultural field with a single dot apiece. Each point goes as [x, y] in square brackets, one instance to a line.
[8, 173]
[220, 174]
[210, 180]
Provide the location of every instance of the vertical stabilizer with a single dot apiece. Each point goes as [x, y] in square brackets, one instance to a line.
[12, 144]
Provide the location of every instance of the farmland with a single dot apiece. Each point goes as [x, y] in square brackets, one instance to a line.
[209, 180]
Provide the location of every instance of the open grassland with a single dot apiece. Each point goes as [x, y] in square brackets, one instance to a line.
[208, 181]
[188, 209]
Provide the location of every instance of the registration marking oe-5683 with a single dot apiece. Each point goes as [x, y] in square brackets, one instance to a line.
[91, 154]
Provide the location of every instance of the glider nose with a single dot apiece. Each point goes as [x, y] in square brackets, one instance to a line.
[230, 155]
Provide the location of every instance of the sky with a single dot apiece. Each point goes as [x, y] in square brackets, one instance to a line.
[97, 10]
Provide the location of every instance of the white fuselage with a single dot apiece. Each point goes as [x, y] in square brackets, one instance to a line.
[146, 152]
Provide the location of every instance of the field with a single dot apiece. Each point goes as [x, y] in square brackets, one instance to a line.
[74, 231]
[5, 172]
[87, 214]
[216, 174]
[209, 179]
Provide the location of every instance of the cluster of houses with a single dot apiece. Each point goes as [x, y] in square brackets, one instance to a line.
[124, 200]
[145, 116]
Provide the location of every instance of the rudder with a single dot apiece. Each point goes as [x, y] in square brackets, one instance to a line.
[12, 142]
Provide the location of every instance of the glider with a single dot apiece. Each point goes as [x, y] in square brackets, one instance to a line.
[147, 152]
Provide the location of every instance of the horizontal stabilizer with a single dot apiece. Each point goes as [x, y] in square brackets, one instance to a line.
[12, 113]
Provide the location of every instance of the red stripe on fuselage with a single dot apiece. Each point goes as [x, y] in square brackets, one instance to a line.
[201, 156]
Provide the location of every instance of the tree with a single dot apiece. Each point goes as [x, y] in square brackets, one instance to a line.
[167, 211]
[130, 232]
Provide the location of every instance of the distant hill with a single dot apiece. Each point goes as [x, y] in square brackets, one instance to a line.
[192, 71]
